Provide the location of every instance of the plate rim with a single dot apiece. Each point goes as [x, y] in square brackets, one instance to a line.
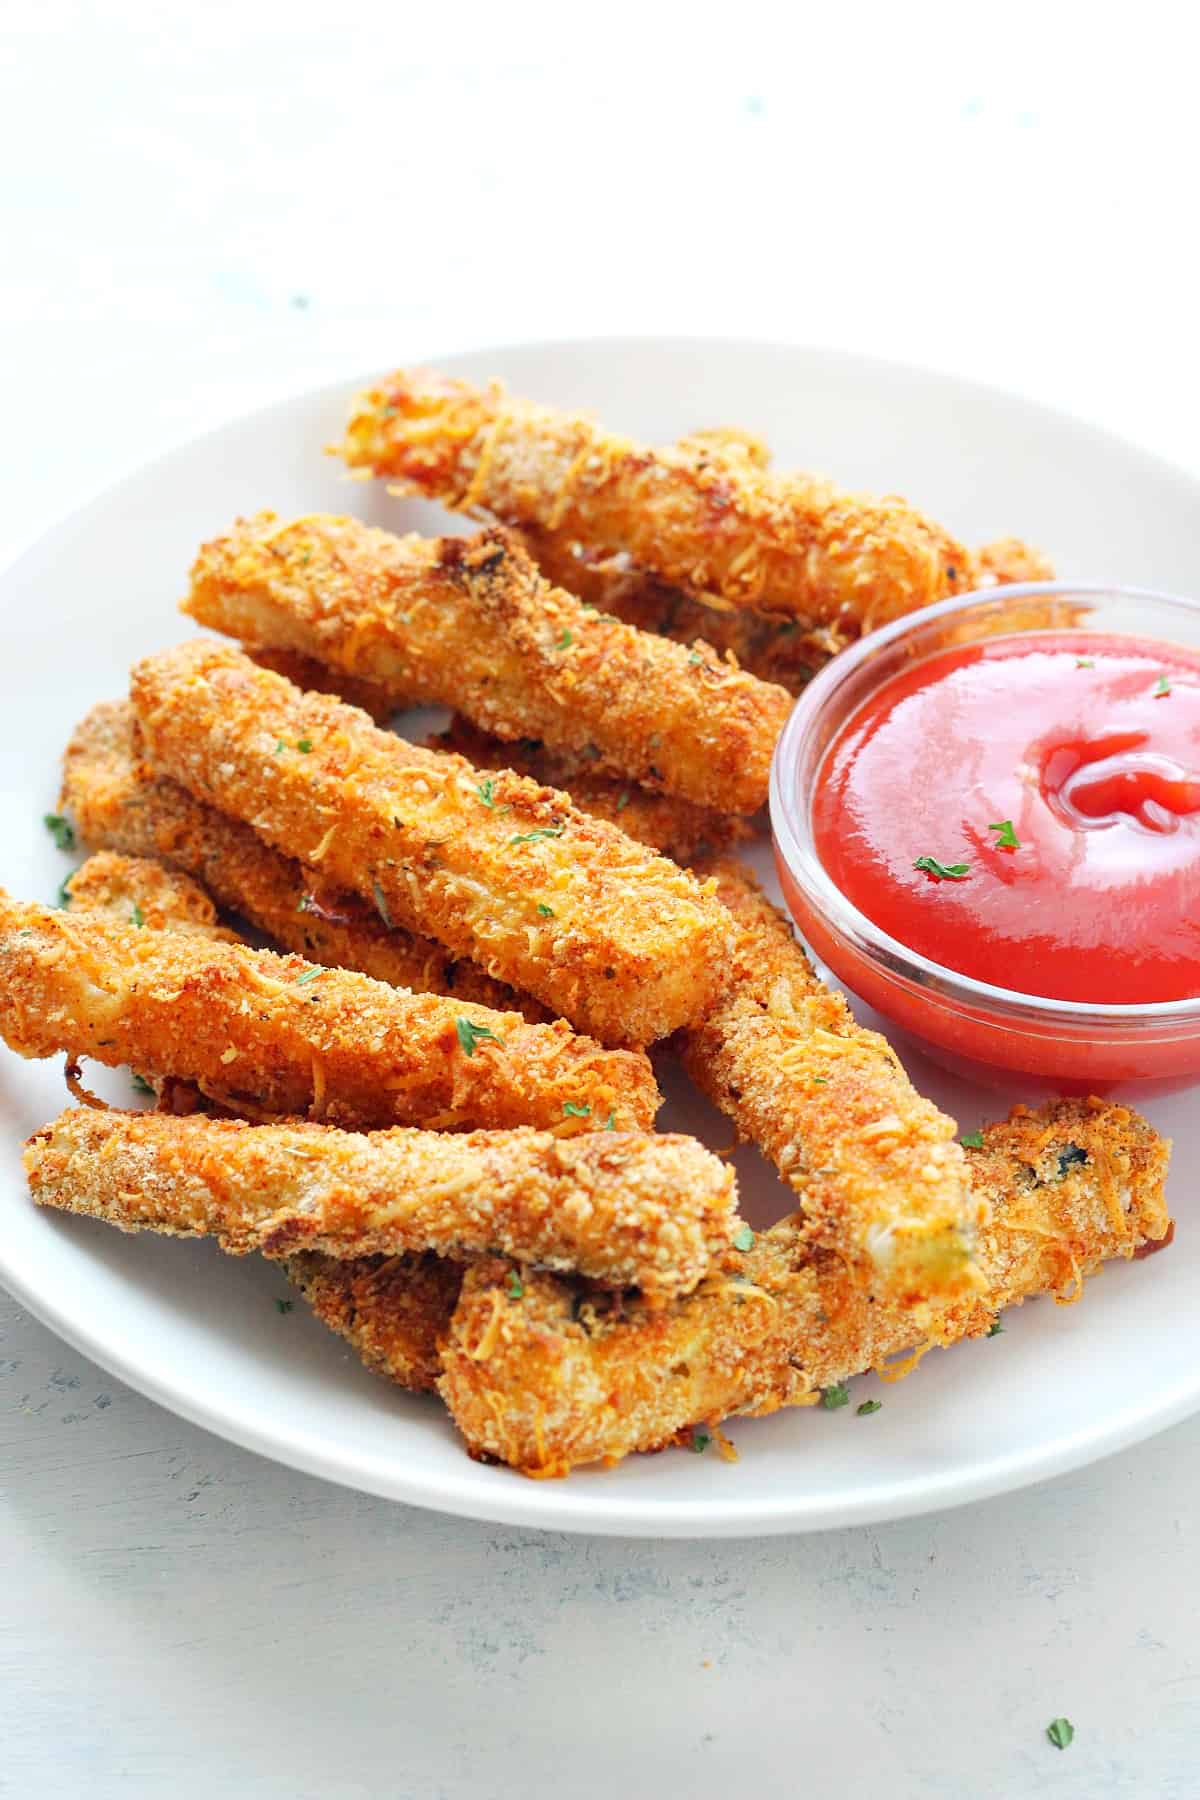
[564, 1506]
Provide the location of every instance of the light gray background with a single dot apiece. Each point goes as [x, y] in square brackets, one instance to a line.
[1009, 198]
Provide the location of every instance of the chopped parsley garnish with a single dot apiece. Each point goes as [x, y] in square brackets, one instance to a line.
[835, 1396]
[571, 1111]
[304, 746]
[867, 1407]
[1067, 1159]
[60, 829]
[1008, 839]
[514, 1284]
[1164, 687]
[743, 1238]
[284, 1306]
[622, 799]
[700, 1441]
[486, 791]
[972, 1140]
[610, 1124]
[308, 975]
[141, 1085]
[695, 658]
[381, 904]
[929, 865]
[532, 837]
[565, 641]
[995, 1328]
[547, 912]
[138, 916]
[470, 1034]
[280, 747]
[1060, 1732]
[63, 896]
[820, 1081]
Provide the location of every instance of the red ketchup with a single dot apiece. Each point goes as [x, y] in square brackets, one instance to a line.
[1026, 811]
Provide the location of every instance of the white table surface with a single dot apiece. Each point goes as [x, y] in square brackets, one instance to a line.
[206, 207]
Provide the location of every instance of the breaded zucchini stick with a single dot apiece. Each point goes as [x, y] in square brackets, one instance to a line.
[629, 1209]
[471, 624]
[673, 827]
[131, 890]
[708, 520]
[254, 1030]
[562, 1377]
[393, 1310]
[788, 652]
[565, 906]
[119, 803]
[881, 1180]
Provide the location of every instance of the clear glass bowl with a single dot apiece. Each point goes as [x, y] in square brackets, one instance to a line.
[989, 1033]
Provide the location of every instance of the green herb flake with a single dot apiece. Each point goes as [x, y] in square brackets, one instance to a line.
[533, 837]
[1007, 839]
[571, 1111]
[622, 799]
[381, 904]
[63, 896]
[304, 746]
[565, 641]
[280, 747]
[700, 1441]
[138, 916]
[470, 1035]
[929, 865]
[610, 1124]
[308, 975]
[743, 1238]
[547, 912]
[60, 829]
[835, 1396]
[285, 1306]
[971, 1140]
[141, 1085]
[867, 1408]
[995, 1329]
[694, 658]
[514, 1284]
[1164, 687]
[1085, 662]
[1060, 1732]
[820, 1081]
[487, 791]
[306, 558]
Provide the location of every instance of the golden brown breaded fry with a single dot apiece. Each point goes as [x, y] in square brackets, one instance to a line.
[628, 1208]
[673, 827]
[710, 521]
[118, 802]
[881, 1179]
[393, 1310]
[256, 1030]
[307, 672]
[620, 941]
[562, 1377]
[1007, 561]
[131, 890]
[471, 624]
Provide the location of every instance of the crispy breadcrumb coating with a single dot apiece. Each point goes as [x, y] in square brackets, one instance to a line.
[706, 519]
[627, 1208]
[673, 827]
[256, 1031]
[131, 890]
[307, 672]
[620, 941]
[566, 1377]
[877, 1170]
[118, 802]
[1007, 561]
[393, 1310]
[471, 624]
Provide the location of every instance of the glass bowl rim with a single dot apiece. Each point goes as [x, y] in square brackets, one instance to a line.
[793, 838]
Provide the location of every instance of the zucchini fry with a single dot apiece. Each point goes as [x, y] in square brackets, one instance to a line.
[708, 520]
[119, 803]
[619, 941]
[130, 890]
[259, 1032]
[626, 1208]
[880, 1178]
[564, 1377]
[392, 1310]
[471, 624]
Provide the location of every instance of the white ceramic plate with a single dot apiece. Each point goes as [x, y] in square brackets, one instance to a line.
[201, 1333]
